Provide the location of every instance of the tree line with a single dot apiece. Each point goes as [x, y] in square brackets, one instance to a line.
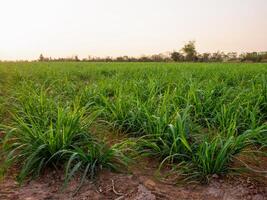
[188, 53]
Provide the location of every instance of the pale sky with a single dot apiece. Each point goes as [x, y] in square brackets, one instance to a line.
[129, 27]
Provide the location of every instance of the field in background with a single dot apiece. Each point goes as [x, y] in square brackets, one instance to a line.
[196, 119]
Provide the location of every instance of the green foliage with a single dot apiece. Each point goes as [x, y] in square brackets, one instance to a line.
[195, 116]
[92, 158]
[215, 155]
[176, 56]
[171, 142]
[40, 129]
[190, 52]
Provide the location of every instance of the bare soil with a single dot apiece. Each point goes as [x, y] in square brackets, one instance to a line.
[140, 184]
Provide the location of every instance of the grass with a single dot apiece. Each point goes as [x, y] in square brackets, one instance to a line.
[92, 158]
[215, 155]
[41, 129]
[195, 117]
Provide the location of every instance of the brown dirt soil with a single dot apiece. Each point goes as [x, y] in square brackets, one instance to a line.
[140, 184]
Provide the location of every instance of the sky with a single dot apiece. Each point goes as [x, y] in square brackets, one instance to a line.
[61, 28]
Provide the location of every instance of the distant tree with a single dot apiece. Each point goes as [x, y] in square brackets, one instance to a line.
[205, 57]
[264, 56]
[157, 58]
[108, 59]
[76, 58]
[120, 59]
[189, 51]
[176, 56]
[132, 59]
[123, 59]
[231, 56]
[41, 57]
[144, 59]
[217, 56]
[252, 57]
